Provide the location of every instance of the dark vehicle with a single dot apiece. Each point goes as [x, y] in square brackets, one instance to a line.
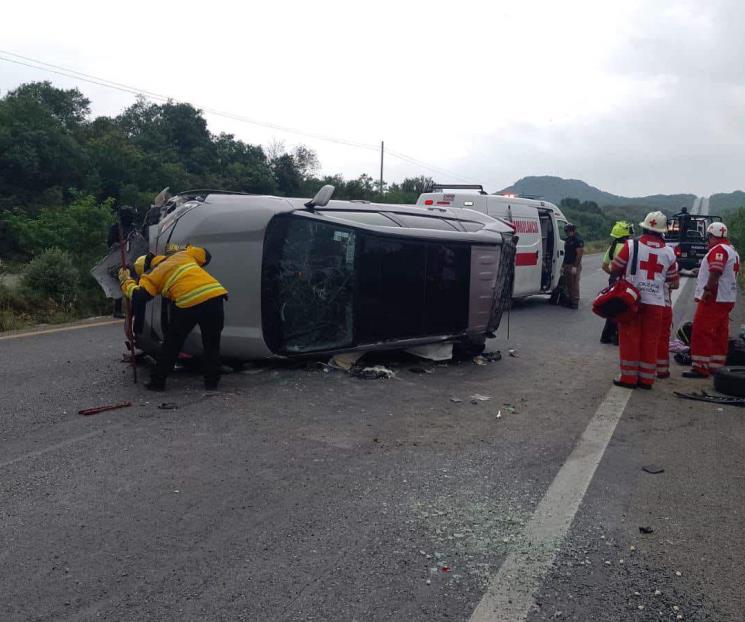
[688, 238]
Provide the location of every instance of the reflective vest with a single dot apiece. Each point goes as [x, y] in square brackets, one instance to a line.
[722, 258]
[180, 278]
[655, 266]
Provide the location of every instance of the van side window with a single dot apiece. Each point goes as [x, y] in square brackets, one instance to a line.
[560, 224]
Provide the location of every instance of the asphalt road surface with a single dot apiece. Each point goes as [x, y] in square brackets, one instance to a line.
[300, 494]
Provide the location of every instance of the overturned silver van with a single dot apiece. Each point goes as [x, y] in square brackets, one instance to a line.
[321, 277]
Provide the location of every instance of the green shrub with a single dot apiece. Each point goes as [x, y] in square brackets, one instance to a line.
[80, 228]
[52, 275]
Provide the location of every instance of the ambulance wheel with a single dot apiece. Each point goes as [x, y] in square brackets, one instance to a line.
[730, 381]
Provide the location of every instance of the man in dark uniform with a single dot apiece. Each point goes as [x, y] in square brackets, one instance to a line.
[684, 222]
[574, 248]
[126, 216]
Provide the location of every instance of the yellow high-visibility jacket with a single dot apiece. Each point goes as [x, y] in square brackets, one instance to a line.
[180, 278]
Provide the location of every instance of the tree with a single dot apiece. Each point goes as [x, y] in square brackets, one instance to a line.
[40, 147]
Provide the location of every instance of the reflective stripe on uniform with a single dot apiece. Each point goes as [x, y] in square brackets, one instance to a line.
[176, 274]
[196, 293]
[646, 376]
[644, 365]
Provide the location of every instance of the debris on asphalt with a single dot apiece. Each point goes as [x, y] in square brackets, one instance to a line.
[99, 409]
[477, 397]
[512, 352]
[372, 373]
[421, 370]
[646, 530]
[653, 469]
[712, 399]
[168, 406]
[492, 357]
[678, 573]
[510, 408]
[456, 400]
[345, 361]
[499, 414]
[480, 360]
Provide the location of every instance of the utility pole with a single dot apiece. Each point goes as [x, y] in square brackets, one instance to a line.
[382, 149]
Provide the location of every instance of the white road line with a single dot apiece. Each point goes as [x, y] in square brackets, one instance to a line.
[511, 592]
[60, 445]
[34, 333]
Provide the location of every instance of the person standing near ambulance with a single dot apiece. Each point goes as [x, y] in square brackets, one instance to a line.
[574, 248]
[647, 263]
[716, 293]
[620, 232]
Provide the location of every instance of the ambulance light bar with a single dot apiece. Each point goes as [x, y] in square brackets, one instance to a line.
[479, 187]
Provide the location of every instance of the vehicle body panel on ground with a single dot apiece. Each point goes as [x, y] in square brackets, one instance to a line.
[346, 276]
[539, 226]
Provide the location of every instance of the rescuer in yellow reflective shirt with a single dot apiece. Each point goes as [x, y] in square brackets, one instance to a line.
[197, 300]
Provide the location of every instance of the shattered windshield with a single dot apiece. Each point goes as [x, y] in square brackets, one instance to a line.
[308, 285]
[326, 286]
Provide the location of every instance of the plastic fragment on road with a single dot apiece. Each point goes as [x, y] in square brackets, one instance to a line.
[480, 360]
[99, 409]
[345, 361]
[479, 398]
[168, 406]
[653, 469]
[646, 530]
[373, 373]
[456, 400]
[712, 399]
[421, 370]
[433, 351]
[513, 353]
[676, 345]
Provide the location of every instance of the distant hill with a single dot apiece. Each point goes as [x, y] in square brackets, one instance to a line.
[726, 201]
[555, 189]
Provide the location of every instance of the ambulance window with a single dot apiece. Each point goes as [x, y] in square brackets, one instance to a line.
[424, 222]
[560, 224]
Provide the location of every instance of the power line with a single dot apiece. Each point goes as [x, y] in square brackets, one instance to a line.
[85, 77]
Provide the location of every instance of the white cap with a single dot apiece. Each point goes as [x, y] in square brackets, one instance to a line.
[717, 229]
[655, 221]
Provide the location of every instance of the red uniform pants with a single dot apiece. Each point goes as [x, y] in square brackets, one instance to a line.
[663, 344]
[638, 340]
[710, 336]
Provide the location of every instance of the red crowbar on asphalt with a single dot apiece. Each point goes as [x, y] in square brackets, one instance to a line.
[100, 409]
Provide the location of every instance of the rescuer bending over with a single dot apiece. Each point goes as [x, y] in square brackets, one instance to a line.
[197, 299]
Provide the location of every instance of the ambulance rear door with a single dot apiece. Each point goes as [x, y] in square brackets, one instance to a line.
[529, 256]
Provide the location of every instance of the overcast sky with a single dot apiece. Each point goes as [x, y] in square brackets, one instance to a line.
[636, 97]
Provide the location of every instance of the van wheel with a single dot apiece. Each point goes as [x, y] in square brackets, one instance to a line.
[730, 381]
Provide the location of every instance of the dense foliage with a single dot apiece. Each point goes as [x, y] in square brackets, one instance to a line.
[61, 172]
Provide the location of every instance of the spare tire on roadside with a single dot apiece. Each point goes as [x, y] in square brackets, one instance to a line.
[730, 380]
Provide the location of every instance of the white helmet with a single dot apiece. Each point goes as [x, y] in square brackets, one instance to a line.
[655, 221]
[717, 229]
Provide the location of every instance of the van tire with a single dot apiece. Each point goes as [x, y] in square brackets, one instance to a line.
[730, 381]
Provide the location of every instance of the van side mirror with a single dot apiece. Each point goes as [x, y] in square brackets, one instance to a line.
[322, 198]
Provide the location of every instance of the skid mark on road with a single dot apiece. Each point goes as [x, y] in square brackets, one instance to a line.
[63, 329]
[56, 446]
[511, 592]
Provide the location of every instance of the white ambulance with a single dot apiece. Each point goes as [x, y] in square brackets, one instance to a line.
[539, 225]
